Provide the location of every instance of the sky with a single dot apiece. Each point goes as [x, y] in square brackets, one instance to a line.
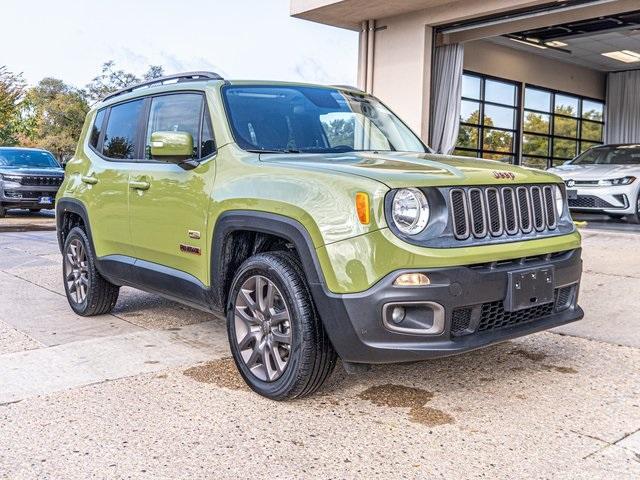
[240, 39]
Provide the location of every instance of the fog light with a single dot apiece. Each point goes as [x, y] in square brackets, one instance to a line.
[412, 280]
[398, 314]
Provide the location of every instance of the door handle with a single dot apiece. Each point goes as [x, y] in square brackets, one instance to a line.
[139, 185]
[89, 179]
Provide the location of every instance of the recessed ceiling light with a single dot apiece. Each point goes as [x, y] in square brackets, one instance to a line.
[626, 56]
[556, 43]
[530, 43]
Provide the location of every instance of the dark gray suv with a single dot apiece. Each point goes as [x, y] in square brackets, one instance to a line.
[29, 178]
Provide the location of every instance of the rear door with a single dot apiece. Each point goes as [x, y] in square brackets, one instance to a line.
[114, 146]
[168, 204]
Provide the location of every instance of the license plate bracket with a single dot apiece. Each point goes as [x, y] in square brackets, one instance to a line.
[45, 201]
[529, 288]
[572, 194]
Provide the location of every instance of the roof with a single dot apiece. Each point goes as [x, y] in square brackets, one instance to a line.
[140, 90]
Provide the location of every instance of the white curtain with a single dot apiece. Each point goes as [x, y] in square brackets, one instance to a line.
[446, 96]
[623, 107]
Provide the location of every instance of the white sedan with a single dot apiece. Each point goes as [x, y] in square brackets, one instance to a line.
[604, 179]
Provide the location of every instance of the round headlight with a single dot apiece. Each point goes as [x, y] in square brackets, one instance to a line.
[410, 211]
[559, 201]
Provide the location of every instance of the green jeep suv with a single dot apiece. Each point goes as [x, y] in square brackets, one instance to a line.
[316, 221]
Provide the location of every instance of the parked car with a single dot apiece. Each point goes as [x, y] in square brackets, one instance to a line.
[604, 179]
[29, 178]
[316, 221]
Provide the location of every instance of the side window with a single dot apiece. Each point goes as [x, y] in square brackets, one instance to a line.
[120, 140]
[175, 113]
[208, 144]
[96, 129]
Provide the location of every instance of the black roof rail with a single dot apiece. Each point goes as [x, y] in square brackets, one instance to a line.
[349, 87]
[180, 77]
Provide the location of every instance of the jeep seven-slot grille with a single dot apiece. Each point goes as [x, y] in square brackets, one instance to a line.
[41, 180]
[479, 212]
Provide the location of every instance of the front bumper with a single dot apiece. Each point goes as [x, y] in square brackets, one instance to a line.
[471, 300]
[27, 196]
[619, 200]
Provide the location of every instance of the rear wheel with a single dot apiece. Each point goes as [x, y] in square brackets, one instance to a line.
[88, 292]
[277, 340]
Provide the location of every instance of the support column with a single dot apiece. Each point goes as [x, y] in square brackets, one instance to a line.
[395, 65]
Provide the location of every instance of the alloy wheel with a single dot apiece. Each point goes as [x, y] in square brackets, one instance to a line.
[263, 328]
[76, 271]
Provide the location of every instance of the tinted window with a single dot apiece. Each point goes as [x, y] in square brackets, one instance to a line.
[175, 113]
[624, 155]
[293, 119]
[120, 140]
[15, 157]
[208, 143]
[96, 129]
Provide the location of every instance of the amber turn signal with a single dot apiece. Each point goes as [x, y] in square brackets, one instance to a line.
[362, 207]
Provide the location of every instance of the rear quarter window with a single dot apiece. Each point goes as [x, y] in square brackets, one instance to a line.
[96, 129]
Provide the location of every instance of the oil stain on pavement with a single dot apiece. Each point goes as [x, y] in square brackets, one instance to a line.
[537, 357]
[221, 372]
[400, 396]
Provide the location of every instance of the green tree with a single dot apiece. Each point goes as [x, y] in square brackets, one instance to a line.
[112, 79]
[12, 90]
[495, 140]
[52, 115]
[340, 131]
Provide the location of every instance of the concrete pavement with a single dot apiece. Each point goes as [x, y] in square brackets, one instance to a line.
[150, 392]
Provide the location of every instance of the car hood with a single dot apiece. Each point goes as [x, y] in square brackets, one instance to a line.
[595, 172]
[397, 170]
[32, 171]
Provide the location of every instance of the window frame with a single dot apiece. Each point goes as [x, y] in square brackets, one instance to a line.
[141, 131]
[551, 136]
[482, 102]
[518, 155]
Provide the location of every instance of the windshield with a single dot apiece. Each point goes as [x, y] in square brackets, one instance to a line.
[14, 157]
[622, 155]
[296, 119]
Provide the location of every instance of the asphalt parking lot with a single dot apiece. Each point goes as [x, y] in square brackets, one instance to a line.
[150, 392]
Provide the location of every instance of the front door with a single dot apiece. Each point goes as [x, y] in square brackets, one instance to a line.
[168, 204]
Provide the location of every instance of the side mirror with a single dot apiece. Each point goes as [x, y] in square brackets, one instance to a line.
[173, 147]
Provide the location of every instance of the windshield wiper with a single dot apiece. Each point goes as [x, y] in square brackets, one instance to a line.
[285, 150]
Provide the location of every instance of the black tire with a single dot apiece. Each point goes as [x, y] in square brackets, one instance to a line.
[615, 216]
[34, 210]
[636, 217]
[100, 295]
[311, 357]
[3, 211]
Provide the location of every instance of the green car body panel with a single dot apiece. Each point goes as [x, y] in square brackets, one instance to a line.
[316, 190]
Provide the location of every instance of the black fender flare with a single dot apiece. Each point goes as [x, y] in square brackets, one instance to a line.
[263, 222]
[330, 307]
[75, 206]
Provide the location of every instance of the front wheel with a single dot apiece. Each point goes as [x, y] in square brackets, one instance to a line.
[88, 292]
[277, 340]
[635, 218]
